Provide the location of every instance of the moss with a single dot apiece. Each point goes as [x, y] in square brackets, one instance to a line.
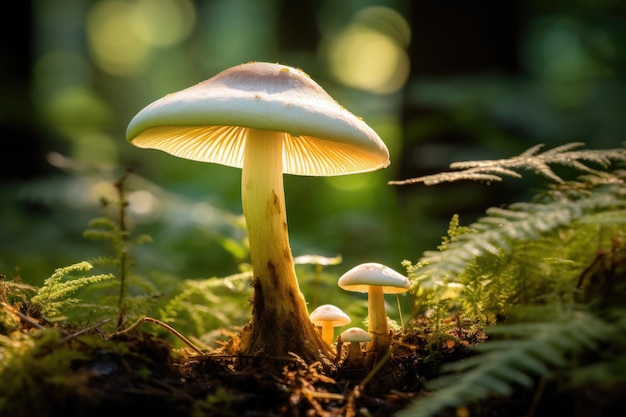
[47, 374]
[40, 374]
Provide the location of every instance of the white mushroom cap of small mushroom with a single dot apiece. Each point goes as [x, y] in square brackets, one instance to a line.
[375, 279]
[354, 336]
[328, 316]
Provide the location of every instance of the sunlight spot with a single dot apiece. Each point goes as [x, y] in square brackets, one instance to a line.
[100, 191]
[122, 35]
[203, 213]
[164, 22]
[142, 202]
[370, 53]
[115, 47]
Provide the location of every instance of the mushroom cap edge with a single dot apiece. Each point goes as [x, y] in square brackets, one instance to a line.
[362, 276]
[329, 312]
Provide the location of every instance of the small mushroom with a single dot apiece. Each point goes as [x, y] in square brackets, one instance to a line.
[354, 336]
[267, 119]
[319, 262]
[328, 317]
[376, 280]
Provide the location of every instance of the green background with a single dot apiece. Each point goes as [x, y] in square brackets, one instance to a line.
[440, 81]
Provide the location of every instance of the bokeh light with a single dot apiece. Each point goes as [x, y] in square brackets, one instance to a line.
[370, 53]
[123, 34]
[144, 205]
[163, 22]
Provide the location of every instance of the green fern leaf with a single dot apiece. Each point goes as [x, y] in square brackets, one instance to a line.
[497, 233]
[532, 351]
[194, 308]
[53, 296]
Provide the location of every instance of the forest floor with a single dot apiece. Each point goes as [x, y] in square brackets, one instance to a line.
[91, 374]
[52, 372]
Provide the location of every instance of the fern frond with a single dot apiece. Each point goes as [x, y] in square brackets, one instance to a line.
[568, 155]
[529, 351]
[14, 289]
[606, 218]
[53, 296]
[497, 233]
[194, 308]
[102, 228]
[610, 370]
[104, 261]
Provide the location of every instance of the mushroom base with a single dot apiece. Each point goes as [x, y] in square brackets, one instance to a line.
[273, 335]
[355, 356]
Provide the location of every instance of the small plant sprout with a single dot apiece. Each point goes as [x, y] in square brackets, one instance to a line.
[376, 280]
[328, 317]
[354, 336]
[268, 119]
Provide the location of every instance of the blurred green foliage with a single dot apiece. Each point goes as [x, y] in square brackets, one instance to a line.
[439, 81]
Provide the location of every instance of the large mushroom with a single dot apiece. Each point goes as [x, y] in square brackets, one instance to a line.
[267, 119]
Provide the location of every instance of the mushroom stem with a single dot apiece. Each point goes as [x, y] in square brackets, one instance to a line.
[280, 322]
[377, 327]
[355, 356]
[328, 332]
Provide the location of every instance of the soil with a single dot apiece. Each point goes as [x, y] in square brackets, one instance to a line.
[89, 373]
[99, 376]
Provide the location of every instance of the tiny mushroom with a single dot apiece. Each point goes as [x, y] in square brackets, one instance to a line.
[328, 317]
[376, 280]
[355, 336]
[268, 119]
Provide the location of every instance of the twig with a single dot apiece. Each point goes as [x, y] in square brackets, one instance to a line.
[377, 367]
[21, 316]
[351, 401]
[78, 333]
[167, 327]
[119, 186]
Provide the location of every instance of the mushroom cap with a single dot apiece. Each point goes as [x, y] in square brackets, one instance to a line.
[317, 260]
[329, 312]
[209, 122]
[361, 277]
[355, 334]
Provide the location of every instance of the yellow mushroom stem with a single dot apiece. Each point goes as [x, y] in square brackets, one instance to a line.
[279, 323]
[377, 325]
[328, 331]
